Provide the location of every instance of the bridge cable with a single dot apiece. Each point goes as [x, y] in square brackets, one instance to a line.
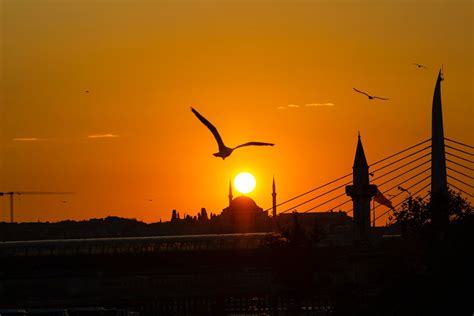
[401, 174]
[465, 152]
[398, 168]
[312, 208]
[418, 174]
[412, 186]
[343, 194]
[451, 140]
[402, 166]
[412, 154]
[385, 191]
[452, 185]
[459, 157]
[347, 175]
[467, 176]
[402, 151]
[398, 204]
[418, 192]
[472, 169]
[467, 184]
[317, 196]
[312, 190]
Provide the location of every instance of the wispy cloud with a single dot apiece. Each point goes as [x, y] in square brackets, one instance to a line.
[103, 136]
[295, 106]
[26, 139]
[320, 104]
[291, 106]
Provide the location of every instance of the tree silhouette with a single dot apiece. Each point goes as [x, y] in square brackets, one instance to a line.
[414, 217]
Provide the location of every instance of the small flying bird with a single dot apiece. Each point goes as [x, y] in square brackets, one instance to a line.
[224, 151]
[419, 65]
[402, 189]
[63, 201]
[371, 97]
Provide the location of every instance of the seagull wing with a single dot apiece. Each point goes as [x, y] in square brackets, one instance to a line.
[254, 144]
[380, 98]
[211, 127]
[361, 92]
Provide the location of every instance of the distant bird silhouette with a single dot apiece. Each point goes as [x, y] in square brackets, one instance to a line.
[224, 151]
[419, 65]
[371, 97]
[63, 201]
[404, 190]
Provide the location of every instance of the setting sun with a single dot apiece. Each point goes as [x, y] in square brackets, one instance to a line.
[244, 182]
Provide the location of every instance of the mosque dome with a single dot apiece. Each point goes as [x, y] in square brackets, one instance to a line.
[244, 204]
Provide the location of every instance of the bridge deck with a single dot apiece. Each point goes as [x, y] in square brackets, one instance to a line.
[155, 244]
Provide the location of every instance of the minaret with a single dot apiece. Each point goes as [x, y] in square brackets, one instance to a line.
[231, 197]
[361, 193]
[274, 200]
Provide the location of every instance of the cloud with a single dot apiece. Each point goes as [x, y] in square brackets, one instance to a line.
[26, 139]
[103, 136]
[295, 106]
[320, 104]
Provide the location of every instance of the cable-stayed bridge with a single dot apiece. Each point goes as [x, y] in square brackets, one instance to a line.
[397, 176]
[438, 162]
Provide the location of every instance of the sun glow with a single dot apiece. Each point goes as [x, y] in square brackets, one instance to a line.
[244, 182]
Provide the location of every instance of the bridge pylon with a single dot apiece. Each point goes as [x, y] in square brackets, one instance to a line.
[439, 182]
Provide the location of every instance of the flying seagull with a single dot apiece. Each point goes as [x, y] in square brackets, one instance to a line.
[419, 65]
[369, 96]
[224, 151]
[402, 189]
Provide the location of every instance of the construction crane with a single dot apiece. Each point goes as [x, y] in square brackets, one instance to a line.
[25, 193]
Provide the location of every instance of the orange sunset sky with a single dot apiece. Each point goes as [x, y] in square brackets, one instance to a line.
[145, 63]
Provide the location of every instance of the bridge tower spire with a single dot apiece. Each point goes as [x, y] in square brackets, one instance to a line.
[439, 183]
[361, 193]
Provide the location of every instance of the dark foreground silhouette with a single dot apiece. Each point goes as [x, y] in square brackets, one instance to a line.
[406, 270]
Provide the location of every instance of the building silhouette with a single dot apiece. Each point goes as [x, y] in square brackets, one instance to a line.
[243, 215]
[361, 193]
